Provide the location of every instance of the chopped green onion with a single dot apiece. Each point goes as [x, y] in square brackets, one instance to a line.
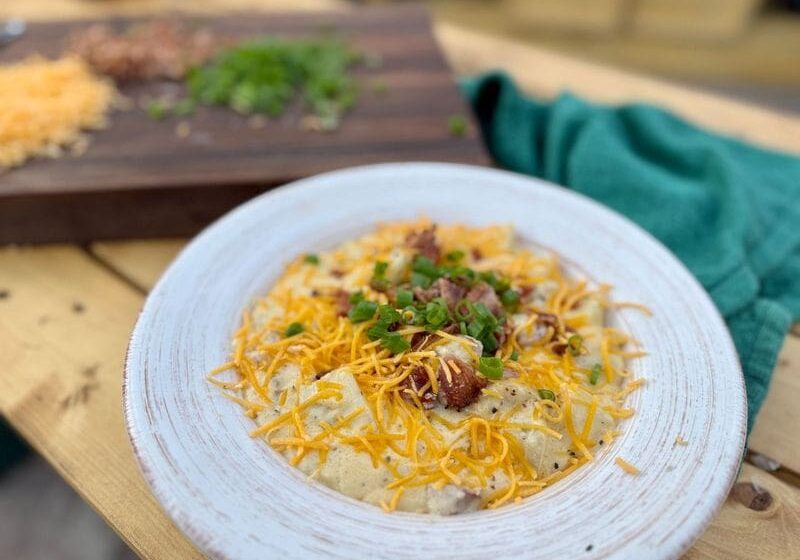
[515, 355]
[379, 281]
[595, 375]
[547, 395]
[574, 344]
[380, 268]
[156, 110]
[355, 297]
[424, 265]
[394, 343]
[380, 87]
[184, 107]
[404, 298]
[510, 299]
[457, 125]
[420, 280]
[311, 259]
[463, 310]
[454, 256]
[436, 314]
[293, 329]
[363, 311]
[491, 367]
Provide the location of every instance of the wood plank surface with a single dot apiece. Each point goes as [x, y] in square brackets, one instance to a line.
[64, 327]
[546, 73]
[63, 394]
[73, 416]
[138, 178]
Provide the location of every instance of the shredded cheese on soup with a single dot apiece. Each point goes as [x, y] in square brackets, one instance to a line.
[469, 378]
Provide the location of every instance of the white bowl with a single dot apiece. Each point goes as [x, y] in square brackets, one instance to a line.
[236, 498]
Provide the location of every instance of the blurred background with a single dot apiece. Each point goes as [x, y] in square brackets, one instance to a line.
[746, 49]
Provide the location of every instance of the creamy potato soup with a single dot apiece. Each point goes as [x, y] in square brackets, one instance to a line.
[432, 368]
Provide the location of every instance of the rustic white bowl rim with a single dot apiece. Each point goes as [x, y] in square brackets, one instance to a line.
[234, 498]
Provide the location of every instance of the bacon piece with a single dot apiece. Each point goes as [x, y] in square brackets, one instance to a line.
[443, 288]
[341, 298]
[424, 242]
[415, 382]
[464, 386]
[485, 294]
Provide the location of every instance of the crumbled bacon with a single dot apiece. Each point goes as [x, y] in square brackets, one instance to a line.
[415, 382]
[485, 294]
[443, 288]
[476, 254]
[424, 242]
[420, 339]
[341, 298]
[464, 386]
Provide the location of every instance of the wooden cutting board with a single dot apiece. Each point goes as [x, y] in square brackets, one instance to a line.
[139, 179]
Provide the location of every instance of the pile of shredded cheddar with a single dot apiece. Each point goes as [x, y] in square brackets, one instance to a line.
[44, 106]
[299, 323]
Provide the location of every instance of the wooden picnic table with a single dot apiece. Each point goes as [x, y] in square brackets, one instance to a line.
[66, 312]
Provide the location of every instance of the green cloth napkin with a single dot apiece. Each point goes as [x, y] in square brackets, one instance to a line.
[730, 211]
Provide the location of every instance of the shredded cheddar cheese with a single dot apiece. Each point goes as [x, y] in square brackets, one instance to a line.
[45, 106]
[626, 466]
[546, 399]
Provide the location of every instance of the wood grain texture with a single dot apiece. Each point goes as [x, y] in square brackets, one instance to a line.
[775, 433]
[546, 73]
[119, 493]
[140, 262]
[136, 517]
[759, 505]
[193, 445]
[64, 325]
[139, 179]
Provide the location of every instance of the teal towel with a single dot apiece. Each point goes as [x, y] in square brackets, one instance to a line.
[730, 211]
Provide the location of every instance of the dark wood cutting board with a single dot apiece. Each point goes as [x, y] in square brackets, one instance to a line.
[139, 179]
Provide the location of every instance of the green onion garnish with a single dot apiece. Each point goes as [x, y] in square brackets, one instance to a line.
[156, 110]
[436, 314]
[597, 369]
[311, 258]
[574, 344]
[463, 310]
[547, 395]
[420, 280]
[184, 107]
[510, 298]
[380, 268]
[515, 355]
[454, 256]
[293, 329]
[362, 311]
[404, 298]
[355, 297]
[394, 343]
[424, 265]
[491, 367]
[457, 125]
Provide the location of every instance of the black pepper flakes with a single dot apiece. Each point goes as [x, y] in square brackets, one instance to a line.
[4, 294]
[589, 548]
[555, 465]
[78, 307]
[494, 409]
